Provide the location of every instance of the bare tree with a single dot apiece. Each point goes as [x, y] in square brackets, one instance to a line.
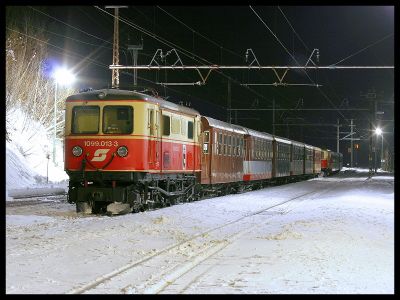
[27, 87]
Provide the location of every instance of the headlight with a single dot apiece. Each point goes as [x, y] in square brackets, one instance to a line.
[77, 151]
[101, 95]
[122, 151]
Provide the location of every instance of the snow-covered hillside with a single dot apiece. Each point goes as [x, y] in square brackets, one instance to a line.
[26, 163]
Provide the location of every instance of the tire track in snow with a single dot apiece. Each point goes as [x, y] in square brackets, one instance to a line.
[156, 286]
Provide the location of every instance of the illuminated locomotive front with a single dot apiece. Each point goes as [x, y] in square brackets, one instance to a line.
[126, 151]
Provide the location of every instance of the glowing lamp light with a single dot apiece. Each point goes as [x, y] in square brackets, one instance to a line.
[64, 77]
[378, 131]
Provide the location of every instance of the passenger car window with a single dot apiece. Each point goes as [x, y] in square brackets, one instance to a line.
[190, 130]
[220, 143]
[166, 125]
[183, 127]
[176, 125]
[151, 122]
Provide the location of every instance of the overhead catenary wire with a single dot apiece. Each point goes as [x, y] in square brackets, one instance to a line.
[326, 97]
[76, 28]
[215, 44]
[363, 49]
[338, 61]
[298, 36]
[199, 34]
[196, 32]
[189, 54]
[182, 50]
[97, 63]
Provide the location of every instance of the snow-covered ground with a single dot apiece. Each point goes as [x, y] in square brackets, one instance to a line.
[325, 235]
[335, 236]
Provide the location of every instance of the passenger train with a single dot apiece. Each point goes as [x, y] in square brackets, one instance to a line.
[127, 151]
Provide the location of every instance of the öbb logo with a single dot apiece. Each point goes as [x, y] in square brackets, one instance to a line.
[100, 154]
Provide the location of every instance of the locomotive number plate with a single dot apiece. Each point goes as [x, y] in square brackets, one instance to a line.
[100, 143]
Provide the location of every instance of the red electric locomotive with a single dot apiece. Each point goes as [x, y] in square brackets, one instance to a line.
[126, 151]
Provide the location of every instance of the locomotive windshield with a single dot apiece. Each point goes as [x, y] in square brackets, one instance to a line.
[85, 119]
[118, 119]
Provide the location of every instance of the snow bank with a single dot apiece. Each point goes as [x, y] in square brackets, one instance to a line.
[26, 162]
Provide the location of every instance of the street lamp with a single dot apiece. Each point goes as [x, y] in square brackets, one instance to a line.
[63, 77]
[379, 131]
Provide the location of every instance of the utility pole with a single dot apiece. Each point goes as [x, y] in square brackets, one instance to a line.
[134, 50]
[273, 116]
[115, 72]
[376, 137]
[229, 103]
[351, 142]
[337, 136]
[371, 96]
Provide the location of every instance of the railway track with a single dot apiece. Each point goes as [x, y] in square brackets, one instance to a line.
[204, 245]
[35, 200]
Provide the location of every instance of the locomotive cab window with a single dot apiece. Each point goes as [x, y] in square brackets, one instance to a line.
[117, 119]
[85, 119]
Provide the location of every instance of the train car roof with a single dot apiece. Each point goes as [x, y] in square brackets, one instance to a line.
[317, 148]
[259, 134]
[225, 126]
[308, 146]
[115, 94]
[297, 143]
[282, 140]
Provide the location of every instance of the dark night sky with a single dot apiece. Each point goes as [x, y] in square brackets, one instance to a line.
[337, 31]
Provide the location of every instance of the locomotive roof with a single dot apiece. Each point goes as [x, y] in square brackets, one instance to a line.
[115, 94]
[225, 126]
